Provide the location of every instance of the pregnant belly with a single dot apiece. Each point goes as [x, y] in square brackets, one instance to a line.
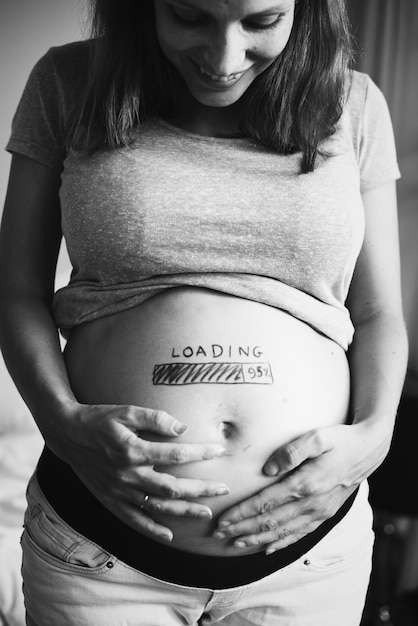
[238, 373]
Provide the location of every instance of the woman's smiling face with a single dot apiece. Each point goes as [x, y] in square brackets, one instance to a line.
[220, 46]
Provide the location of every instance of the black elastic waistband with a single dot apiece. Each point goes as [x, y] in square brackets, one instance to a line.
[85, 514]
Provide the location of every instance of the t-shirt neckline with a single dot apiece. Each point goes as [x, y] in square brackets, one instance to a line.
[197, 137]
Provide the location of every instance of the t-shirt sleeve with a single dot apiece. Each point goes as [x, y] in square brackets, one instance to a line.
[37, 126]
[377, 152]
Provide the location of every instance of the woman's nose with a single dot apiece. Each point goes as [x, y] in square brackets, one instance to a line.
[227, 51]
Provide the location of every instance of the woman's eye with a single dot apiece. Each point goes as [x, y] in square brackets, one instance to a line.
[263, 23]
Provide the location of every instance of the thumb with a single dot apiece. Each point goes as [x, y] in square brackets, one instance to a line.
[289, 456]
[160, 422]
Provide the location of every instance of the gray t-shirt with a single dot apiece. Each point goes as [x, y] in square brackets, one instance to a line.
[179, 209]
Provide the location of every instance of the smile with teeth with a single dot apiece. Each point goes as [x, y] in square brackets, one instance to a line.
[220, 78]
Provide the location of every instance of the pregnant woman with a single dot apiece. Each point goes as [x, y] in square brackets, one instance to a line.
[234, 340]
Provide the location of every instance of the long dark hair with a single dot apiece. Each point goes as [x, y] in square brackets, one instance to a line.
[292, 106]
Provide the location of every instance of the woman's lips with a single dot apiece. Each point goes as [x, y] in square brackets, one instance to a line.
[217, 80]
[221, 78]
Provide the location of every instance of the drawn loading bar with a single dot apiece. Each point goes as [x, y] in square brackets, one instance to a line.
[213, 373]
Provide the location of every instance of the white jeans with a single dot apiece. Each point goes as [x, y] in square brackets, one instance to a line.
[69, 581]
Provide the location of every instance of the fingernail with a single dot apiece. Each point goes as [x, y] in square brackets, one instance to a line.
[179, 428]
[219, 535]
[204, 513]
[222, 491]
[219, 451]
[270, 551]
[166, 536]
[224, 524]
[240, 544]
[272, 469]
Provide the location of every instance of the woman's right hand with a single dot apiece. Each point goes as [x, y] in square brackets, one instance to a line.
[105, 449]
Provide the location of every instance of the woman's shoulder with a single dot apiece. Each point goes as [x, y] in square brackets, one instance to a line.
[59, 78]
[363, 94]
[358, 89]
[54, 87]
[68, 63]
[73, 52]
[366, 120]
[365, 106]
[359, 81]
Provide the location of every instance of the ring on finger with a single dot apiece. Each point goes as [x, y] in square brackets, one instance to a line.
[144, 500]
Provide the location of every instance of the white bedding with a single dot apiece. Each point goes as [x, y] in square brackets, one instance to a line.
[20, 446]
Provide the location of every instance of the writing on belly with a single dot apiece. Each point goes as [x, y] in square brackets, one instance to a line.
[238, 372]
[217, 351]
[212, 373]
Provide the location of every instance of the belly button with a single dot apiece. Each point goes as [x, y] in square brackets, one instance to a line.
[227, 429]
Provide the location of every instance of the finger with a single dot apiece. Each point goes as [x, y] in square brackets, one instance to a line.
[194, 488]
[270, 498]
[290, 498]
[139, 521]
[310, 445]
[283, 537]
[266, 522]
[276, 540]
[270, 531]
[287, 536]
[157, 422]
[179, 508]
[298, 517]
[163, 453]
[168, 486]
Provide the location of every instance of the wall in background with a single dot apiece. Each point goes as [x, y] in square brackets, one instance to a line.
[387, 35]
[27, 29]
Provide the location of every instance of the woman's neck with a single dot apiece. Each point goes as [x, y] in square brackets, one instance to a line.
[206, 121]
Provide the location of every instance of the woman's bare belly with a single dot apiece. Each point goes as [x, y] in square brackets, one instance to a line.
[238, 373]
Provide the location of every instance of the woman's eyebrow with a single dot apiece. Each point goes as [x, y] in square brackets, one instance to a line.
[277, 8]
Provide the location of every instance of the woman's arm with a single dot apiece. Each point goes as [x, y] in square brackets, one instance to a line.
[379, 353]
[101, 443]
[318, 471]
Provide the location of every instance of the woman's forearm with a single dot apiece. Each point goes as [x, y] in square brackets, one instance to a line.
[32, 353]
[378, 360]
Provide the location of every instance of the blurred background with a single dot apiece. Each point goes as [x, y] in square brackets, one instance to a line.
[27, 29]
[386, 33]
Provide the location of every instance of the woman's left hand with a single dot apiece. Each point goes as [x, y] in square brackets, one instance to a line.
[316, 473]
